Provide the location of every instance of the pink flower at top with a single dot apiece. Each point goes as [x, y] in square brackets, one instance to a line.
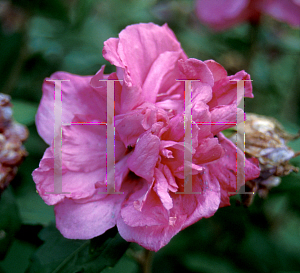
[149, 141]
[223, 14]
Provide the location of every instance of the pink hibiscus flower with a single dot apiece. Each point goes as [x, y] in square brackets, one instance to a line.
[223, 14]
[149, 141]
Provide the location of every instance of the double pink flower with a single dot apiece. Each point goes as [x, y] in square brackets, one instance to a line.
[149, 141]
[223, 14]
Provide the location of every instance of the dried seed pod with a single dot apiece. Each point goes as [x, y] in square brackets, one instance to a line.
[12, 136]
[265, 139]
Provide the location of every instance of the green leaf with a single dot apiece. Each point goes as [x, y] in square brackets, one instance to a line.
[20, 251]
[24, 111]
[61, 255]
[9, 220]
[229, 132]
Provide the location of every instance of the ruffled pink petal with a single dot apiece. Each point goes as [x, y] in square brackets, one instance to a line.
[78, 97]
[201, 92]
[202, 204]
[145, 155]
[84, 147]
[140, 45]
[202, 117]
[194, 69]
[121, 171]
[131, 97]
[176, 131]
[87, 220]
[218, 71]
[225, 170]
[225, 91]
[152, 237]
[145, 221]
[155, 80]
[78, 185]
[97, 79]
[161, 187]
[225, 117]
[170, 178]
[110, 52]
[129, 127]
[242, 75]
[98, 83]
[143, 207]
[208, 151]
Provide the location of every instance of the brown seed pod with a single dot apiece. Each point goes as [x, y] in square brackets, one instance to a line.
[265, 139]
[12, 136]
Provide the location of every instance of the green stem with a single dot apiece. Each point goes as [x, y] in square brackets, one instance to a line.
[147, 261]
[253, 35]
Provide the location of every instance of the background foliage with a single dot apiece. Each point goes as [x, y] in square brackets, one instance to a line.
[40, 37]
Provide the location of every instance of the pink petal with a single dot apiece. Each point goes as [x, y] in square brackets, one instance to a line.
[194, 69]
[198, 205]
[170, 178]
[218, 71]
[131, 97]
[202, 116]
[223, 115]
[201, 92]
[145, 155]
[161, 187]
[225, 90]
[151, 237]
[176, 131]
[96, 80]
[129, 127]
[145, 221]
[87, 220]
[242, 75]
[222, 14]
[208, 151]
[287, 11]
[110, 52]
[79, 185]
[140, 45]
[84, 147]
[78, 97]
[143, 207]
[224, 170]
[163, 65]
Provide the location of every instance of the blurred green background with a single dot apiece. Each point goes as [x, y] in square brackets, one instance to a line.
[40, 37]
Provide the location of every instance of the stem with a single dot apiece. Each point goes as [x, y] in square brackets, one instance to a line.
[147, 261]
[143, 258]
[253, 34]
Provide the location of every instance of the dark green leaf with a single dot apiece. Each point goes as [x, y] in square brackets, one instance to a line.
[62, 255]
[9, 220]
[18, 257]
